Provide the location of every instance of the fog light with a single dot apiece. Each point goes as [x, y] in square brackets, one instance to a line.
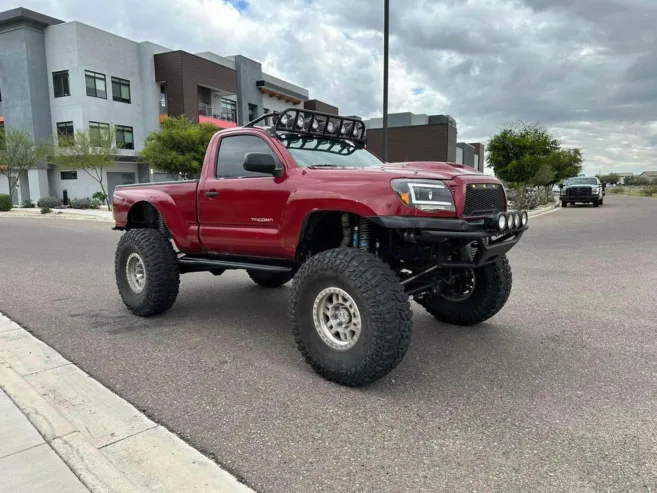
[501, 221]
[524, 218]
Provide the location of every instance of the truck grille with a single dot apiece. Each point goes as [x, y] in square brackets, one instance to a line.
[579, 191]
[482, 199]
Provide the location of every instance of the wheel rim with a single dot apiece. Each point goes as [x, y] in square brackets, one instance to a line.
[337, 318]
[461, 288]
[136, 273]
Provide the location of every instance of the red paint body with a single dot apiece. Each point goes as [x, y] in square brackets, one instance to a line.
[232, 222]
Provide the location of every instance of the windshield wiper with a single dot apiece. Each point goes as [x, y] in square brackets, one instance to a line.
[325, 166]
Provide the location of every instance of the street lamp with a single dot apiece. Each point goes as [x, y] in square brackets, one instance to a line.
[386, 33]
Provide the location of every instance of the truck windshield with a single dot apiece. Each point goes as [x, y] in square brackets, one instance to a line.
[582, 181]
[311, 151]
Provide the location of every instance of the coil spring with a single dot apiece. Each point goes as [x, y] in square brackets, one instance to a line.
[364, 240]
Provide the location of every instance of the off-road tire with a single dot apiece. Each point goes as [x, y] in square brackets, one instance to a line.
[270, 279]
[385, 315]
[161, 266]
[492, 289]
[564, 204]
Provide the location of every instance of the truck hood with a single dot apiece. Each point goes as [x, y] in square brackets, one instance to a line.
[447, 170]
[416, 169]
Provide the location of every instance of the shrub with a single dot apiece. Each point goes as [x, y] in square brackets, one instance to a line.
[46, 210]
[28, 204]
[99, 196]
[6, 203]
[83, 203]
[48, 202]
[616, 190]
[646, 192]
[95, 204]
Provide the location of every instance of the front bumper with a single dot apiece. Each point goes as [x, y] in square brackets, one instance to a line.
[491, 243]
[579, 198]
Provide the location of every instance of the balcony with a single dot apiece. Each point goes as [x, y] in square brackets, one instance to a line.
[219, 117]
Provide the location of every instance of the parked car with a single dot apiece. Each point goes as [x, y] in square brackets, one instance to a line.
[305, 199]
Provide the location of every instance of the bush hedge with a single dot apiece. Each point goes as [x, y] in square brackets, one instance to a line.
[83, 203]
[49, 202]
[6, 203]
[28, 204]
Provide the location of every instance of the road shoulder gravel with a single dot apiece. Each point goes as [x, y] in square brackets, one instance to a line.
[108, 445]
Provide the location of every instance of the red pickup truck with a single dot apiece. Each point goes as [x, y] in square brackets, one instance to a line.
[304, 200]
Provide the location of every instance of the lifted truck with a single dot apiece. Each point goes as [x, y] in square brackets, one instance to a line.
[304, 199]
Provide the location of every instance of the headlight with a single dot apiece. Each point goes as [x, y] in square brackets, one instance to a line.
[426, 195]
[595, 190]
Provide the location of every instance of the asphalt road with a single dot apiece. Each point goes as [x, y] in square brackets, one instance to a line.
[558, 392]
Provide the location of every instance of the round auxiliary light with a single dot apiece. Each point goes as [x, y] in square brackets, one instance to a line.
[343, 130]
[284, 120]
[501, 222]
[511, 220]
[300, 121]
[315, 124]
[517, 218]
[524, 218]
[330, 127]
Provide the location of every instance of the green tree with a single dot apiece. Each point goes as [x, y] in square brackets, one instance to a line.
[518, 152]
[637, 181]
[179, 147]
[611, 179]
[566, 163]
[18, 153]
[92, 150]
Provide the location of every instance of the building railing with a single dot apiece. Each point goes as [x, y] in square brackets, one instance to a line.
[207, 110]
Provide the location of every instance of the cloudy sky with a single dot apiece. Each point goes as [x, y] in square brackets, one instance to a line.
[587, 69]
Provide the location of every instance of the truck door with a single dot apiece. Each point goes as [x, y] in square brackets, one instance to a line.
[241, 212]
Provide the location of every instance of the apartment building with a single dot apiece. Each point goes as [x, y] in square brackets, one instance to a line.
[423, 137]
[57, 77]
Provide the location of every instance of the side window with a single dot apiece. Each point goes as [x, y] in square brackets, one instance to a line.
[231, 156]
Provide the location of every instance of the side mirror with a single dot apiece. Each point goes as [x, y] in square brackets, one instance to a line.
[560, 186]
[260, 162]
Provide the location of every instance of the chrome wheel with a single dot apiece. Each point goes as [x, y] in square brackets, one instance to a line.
[337, 319]
[135, 272]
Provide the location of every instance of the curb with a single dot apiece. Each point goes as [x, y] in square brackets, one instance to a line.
[58, 215]
[545, 211]
[106, 442]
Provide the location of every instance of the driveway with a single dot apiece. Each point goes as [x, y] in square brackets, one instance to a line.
[558, 392]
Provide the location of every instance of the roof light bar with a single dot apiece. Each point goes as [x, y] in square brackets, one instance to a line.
[316, 124]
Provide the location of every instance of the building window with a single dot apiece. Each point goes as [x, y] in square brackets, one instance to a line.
[95, 83]
[65, 134]
[228, 110]
[120, 90]
[124, 137]
[230, 160]
[253, 112]
[98, 133]
[68, 175]
[163, 95]
[60, 84]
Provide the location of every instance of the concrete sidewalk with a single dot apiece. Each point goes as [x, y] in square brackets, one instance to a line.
[61, 431]
[84, 214]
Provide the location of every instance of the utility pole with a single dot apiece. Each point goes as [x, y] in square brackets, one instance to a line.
[386, 35]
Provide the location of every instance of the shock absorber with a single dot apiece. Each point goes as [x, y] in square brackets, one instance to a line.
[364, 240]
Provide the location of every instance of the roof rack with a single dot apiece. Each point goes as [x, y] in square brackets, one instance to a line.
[312, 123]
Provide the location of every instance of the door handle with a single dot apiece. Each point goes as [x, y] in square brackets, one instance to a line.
[211, 193]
